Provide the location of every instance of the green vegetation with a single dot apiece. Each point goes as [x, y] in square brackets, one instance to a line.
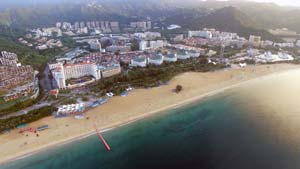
[152, 76]
[69, 101]
[85, 99]
[17, 105]
[68, 41]
[134, 45]
[64, 91]
[27, 56]
[228, 19]
[31, 116]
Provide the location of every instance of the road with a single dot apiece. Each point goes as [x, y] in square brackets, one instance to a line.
[26, 110]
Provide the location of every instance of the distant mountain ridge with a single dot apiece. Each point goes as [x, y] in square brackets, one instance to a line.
[239, 16]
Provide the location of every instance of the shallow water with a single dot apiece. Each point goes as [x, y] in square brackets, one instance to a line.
[251, 127]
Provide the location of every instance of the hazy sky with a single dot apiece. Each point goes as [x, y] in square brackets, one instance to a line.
[4, 3]
[282, 2]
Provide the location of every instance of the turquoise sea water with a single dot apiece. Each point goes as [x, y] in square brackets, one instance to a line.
[216, 133]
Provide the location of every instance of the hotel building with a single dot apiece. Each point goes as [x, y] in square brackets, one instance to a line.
[68, 71]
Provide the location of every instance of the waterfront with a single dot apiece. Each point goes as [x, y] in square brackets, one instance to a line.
[251, 126]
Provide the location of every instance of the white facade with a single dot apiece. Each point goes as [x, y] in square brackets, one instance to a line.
[143, 45]
[171, 57]
[148, 35]
[156, 60]
[156, 44]
[58, 75]
[298, 43]
[82, 69]
[110, 70]
[139, 61]
[63, 72]
[269, 57]
[183, 55]
[194, 54]
[255, 40]
[202, 34]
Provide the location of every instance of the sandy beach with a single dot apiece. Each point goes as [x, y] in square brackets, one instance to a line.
[139, 104]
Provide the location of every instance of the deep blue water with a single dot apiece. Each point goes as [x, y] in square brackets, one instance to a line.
[215, 133]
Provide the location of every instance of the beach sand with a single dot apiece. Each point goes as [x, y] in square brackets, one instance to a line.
[138, 104]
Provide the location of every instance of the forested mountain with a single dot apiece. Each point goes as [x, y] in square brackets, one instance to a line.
[41, 12]
[226, 19]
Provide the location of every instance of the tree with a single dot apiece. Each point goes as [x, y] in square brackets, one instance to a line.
[135, 45]
[178, 88]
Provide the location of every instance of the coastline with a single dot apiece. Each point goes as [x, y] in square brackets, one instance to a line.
[139, 116]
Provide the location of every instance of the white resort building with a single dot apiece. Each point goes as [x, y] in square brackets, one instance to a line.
[64, 72]
[183, 55]
[269, 57]
[156, 59]
[170, 57]
[139, 61]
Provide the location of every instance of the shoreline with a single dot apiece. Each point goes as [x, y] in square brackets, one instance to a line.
[118, 124]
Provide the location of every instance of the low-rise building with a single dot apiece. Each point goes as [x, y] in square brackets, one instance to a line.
[156, 59]
[202, 34]
[119, 48]
[110, 70]
[268, 57]
[183, 55]
[170, 57]
[193, 54]
[139, 61]
[255, 40]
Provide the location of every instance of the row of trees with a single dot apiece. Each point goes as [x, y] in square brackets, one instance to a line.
[18, 106]
[31, 116]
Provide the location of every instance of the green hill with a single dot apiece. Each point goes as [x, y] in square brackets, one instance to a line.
[25, 54]
[225, 19]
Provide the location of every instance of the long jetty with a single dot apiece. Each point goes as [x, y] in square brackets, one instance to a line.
[102, 139]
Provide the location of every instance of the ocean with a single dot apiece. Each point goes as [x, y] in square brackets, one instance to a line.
[255, 126]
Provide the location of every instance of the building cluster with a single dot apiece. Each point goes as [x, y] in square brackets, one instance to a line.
[83, 27]
[151, 44]
[104, 50]
[17, 80]
[171, 55]
[70, 109]
[269, 57]
[212, 37]
[9, 59]
[261, 56]
[147, 35]
[141, 25]
[42, 39]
